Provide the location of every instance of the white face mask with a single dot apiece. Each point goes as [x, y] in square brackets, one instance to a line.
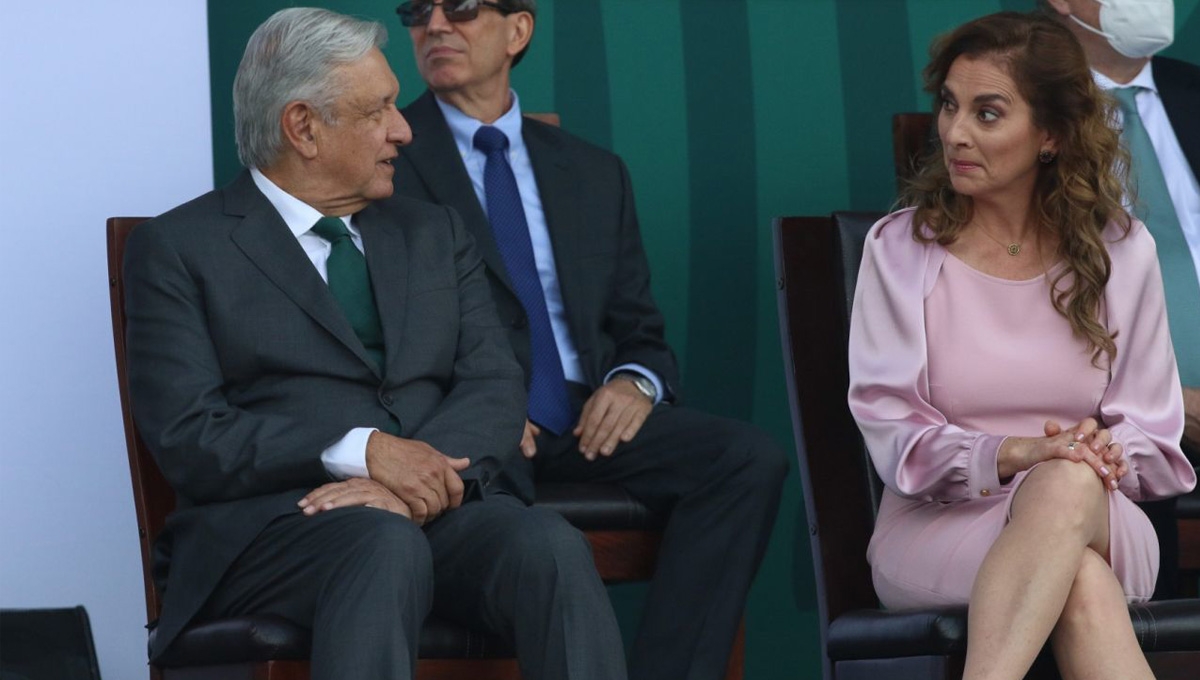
[1136, 28]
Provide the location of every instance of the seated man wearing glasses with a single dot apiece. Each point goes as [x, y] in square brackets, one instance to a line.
[554, 220]
[320, 374]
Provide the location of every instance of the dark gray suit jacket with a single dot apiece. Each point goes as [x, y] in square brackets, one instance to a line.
[590, 214]
[1178, 84]
[243, 368]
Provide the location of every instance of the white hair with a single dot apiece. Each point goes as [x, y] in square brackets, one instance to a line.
[292, 56]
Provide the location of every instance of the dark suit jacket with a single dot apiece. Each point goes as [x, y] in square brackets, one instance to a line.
[590, 214]
[243, 369]
[1178, 84]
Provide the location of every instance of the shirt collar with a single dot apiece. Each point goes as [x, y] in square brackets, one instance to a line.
[297, 215]
[464, 127]
[1144, 79]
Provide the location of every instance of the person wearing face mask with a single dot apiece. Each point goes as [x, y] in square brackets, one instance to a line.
[1159, 100]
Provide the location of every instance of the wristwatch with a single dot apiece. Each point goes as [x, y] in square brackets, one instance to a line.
[641, 382]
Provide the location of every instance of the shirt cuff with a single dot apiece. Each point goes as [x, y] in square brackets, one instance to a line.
[347, 457]
[983, 478]
[641, 370]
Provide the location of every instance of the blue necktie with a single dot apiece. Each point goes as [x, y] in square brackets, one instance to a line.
[549, 405]
[1154, 207]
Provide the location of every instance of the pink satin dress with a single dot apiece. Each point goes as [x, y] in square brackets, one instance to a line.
[946, 361]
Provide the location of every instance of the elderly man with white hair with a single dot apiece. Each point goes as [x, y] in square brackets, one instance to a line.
[322, 377]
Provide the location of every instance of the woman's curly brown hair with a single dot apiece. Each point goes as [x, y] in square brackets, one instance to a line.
[1077, 194]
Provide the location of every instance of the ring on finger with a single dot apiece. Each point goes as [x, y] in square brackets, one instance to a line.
[1071, 446]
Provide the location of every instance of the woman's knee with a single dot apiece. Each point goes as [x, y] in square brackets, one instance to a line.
[1063, 491]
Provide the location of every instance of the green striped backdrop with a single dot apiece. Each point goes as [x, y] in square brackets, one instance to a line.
[728, 112]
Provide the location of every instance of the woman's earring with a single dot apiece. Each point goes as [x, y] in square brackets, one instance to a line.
[1046, 156]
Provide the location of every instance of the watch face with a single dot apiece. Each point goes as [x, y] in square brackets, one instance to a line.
[641, 382]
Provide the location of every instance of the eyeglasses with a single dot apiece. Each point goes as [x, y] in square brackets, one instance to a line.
[418, 12]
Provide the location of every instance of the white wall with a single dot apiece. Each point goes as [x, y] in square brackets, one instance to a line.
[104, 110]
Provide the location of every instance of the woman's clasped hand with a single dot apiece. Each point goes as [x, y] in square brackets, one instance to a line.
[1085, 442]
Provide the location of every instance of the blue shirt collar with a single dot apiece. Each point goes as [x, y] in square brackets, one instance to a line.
[464, 127]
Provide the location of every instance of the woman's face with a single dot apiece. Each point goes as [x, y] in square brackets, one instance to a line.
[989, 141]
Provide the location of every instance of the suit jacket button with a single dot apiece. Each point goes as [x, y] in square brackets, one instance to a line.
[387, 400]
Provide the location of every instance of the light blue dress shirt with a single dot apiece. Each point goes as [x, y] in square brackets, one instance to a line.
[463, 129]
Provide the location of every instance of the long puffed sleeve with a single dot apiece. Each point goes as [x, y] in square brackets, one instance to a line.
[916, 452]
[1143, 405]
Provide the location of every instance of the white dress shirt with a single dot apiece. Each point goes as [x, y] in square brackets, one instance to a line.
[463, 129]
[346, 457]
[1181, 182]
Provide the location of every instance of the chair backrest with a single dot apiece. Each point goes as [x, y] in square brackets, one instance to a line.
[913, 134]
[152, 496]
[816, 265]
[547, 118]
[47, 644]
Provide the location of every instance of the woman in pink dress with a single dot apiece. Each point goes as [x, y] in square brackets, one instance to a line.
[1011, 368]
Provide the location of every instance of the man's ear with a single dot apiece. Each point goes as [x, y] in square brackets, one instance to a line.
[520, 32]
[1062, 7]
[300, 124]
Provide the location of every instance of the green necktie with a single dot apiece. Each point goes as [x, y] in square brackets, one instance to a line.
[1154, 207]
[351, 285]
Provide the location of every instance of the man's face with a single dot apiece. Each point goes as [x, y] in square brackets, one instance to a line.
[356, 151]
[458, 57]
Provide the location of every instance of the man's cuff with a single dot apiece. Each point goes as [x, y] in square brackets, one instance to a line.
[659, 391]
[347, 457]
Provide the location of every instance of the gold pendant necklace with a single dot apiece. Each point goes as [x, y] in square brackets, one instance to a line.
[1013, 249]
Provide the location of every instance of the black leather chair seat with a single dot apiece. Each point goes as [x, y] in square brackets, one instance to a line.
[1168, 626]
[247, 639]
[237, 640]
[597, 507]
[922, 632]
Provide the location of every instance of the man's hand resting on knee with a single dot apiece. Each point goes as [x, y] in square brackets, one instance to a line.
[612, 415]
[425, 479]
[352, 492]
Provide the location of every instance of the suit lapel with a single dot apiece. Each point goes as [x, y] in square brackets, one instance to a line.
[1182, 104]
[266, 240]
[435, 158]
[558, 186]
[387, 263]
